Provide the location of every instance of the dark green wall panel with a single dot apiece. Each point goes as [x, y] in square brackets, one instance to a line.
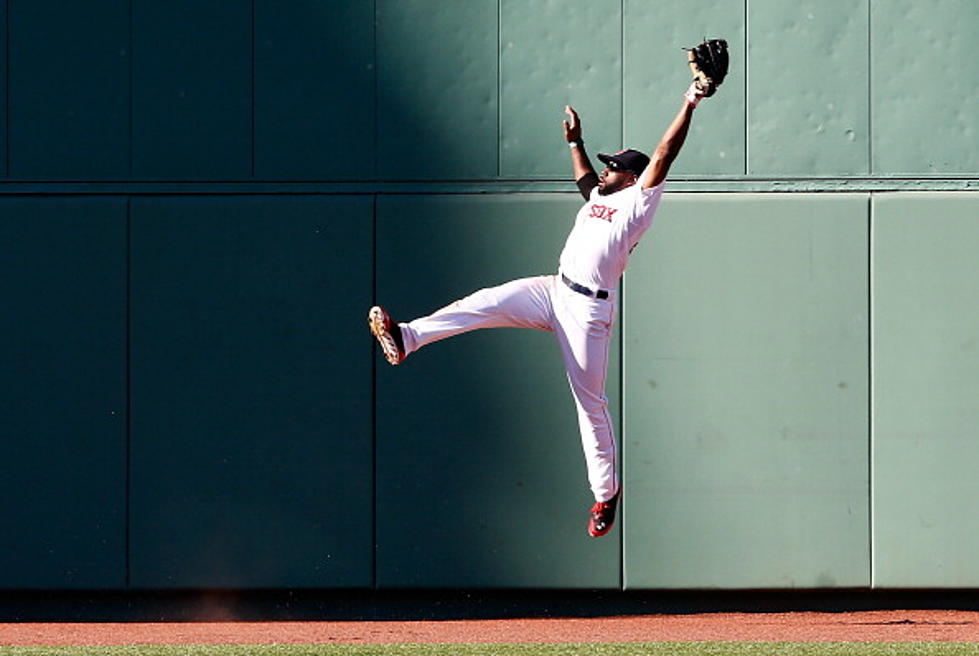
[68, 89]
[816, 123]
[314, 89]
[480, 476]
[925, 100]
[554, 53]
[926, 384]
[655, 79]
[746, 394]
[437, 109]
[63, 393]
[251, 379]
[192, 89]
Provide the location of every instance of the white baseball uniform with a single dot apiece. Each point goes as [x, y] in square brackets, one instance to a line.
[595, 255]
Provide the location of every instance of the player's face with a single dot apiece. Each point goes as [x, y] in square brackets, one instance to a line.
[613, 180]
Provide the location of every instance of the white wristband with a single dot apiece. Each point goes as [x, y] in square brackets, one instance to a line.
[692, 95]
[575, 144]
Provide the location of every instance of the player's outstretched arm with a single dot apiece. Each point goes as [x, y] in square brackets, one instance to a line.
[669, 147]
[584, 175]
[708, 62]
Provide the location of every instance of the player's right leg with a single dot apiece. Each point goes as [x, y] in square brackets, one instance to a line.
[524, 303]
[583, 332]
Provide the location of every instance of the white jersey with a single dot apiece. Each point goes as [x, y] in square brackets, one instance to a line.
[605, 231]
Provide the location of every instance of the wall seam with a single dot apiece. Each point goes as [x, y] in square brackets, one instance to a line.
[621, 354]
[377, 98]
[6, 90]
[678, 184]
[499, 88]
[747, 105]
[870, 391]
[253, 88]
[129, 394]
[622, 432]
[132, 88]
[373, 361]
[871, 533]
[373, 358]
[870, 90]
[622, 74]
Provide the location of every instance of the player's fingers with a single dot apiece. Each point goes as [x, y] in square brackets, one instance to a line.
[569, 110]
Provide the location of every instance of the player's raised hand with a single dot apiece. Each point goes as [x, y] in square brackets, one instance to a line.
[572, 128]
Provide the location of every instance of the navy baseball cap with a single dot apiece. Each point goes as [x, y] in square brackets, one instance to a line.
[629, 160]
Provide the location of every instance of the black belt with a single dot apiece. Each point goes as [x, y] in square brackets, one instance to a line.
[581, 289]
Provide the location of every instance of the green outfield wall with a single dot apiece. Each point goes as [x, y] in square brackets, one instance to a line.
[199, 200]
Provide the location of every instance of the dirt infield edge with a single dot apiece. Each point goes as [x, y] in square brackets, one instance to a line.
[867, 626]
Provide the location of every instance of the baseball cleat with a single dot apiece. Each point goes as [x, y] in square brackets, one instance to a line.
[388, 334]
[602, 516]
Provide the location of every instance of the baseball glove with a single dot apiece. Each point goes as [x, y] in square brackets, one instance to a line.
[708, 62]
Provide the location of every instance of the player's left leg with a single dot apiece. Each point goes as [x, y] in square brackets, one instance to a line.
[583, 332]
[523, 303]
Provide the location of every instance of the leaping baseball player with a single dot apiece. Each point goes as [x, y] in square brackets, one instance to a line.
[578, 303]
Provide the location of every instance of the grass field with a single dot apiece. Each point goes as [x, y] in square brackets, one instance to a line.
[614, 649]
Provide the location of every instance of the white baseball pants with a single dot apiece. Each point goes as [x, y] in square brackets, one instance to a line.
[582, 326]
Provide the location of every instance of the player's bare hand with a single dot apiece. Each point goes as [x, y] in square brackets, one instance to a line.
[572, 128]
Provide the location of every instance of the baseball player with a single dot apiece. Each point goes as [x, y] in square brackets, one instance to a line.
[578, 303]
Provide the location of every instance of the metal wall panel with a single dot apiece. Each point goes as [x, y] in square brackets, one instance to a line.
[63, 393]
[192, 89]
[314, 89]
[746, 394]
[555, 53]
[68, 89]
[656, 77]
[807, 87]
[925, 100]
[251, 430]
[926, 383]
[480, 477]
[437, 114]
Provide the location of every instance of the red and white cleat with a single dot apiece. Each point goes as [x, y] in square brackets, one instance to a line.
[602, 516]
[388, 334]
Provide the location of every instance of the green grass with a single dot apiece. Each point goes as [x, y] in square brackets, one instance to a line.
[613, 649]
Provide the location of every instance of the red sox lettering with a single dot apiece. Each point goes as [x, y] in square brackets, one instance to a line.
[602, 212]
